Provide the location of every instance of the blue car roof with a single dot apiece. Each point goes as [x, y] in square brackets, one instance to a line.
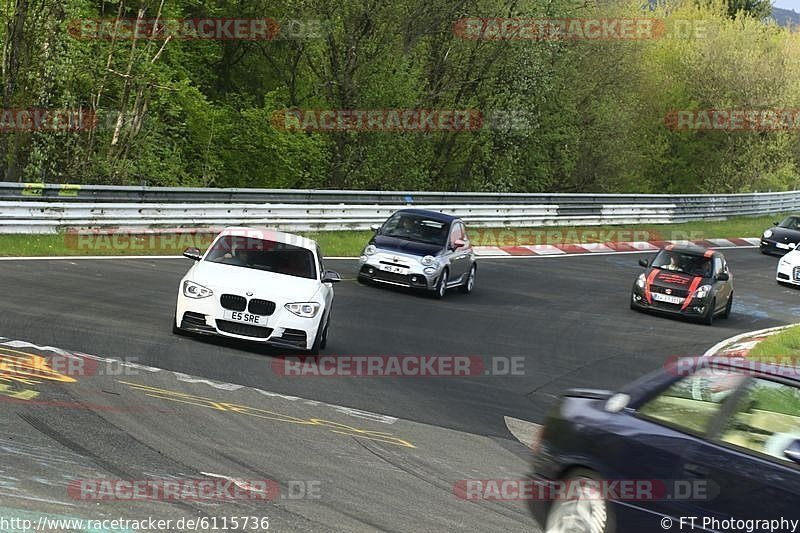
[435, 215]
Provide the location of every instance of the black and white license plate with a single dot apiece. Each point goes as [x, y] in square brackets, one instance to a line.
[392, 268]
[245, 318]
[667, 298]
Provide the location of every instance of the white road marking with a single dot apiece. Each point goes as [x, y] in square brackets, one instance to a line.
[523, 431]
[219, 385]
[545, 249]
[721, 242]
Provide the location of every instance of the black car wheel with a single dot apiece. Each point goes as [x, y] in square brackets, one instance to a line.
[708, 318]
[586, 511]
[324, 342]
[469, 284]
[317, 346]
[441, 287]
[728, 307]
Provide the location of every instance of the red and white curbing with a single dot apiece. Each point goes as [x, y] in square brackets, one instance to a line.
[599, 248]
[739, 346]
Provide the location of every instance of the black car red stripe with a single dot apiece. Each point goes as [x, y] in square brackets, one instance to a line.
[693, 287]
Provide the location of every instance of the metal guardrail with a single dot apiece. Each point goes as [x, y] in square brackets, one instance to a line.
[40, 208]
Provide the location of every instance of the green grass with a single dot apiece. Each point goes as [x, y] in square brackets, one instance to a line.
[350, 243]
[784, 343]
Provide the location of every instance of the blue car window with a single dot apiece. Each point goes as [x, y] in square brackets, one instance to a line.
[692, 403]
[766, 419]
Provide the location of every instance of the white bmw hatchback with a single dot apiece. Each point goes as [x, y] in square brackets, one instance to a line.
[258, 285]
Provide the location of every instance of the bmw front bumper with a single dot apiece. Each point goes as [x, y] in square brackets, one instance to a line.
[283, 328]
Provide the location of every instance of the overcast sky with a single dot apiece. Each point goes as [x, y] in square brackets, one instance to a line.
[788, 4]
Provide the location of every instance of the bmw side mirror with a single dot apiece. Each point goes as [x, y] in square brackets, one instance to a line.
[775, 223]
[644, 263]
[192, 253]
[331, 277]
[375, 227]
[724, 276]
[793, 451]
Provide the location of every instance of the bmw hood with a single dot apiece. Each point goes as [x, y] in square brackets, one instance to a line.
[239, 280]
[394, 244]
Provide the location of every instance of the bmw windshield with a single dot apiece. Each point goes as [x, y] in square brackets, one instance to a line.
[260, 254]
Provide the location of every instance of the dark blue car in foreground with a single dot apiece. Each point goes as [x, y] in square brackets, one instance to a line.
[719, 439]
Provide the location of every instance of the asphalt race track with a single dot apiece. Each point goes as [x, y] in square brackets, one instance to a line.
[565, 318]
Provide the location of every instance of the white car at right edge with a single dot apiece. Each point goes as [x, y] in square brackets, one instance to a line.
[789, 269]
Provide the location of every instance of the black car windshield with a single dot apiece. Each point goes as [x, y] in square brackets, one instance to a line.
[694, 265]
[260, 254]
[415, 227]
[790, 223]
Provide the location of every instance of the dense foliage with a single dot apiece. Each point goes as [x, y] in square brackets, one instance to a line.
[589, 115]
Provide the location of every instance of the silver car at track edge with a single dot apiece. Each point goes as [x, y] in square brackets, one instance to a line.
[420, 249]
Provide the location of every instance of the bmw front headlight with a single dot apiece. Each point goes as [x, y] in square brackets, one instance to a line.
[303, 309]
[768, 234]
[370, 250]
[640, 281]
[702, 291]
[428, 260]
[195, 290]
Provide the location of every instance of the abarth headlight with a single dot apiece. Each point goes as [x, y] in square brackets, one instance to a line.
[428, 260]
[195, 290]
[303, 309]
[370, 250]
[640, 281]
[768, 234]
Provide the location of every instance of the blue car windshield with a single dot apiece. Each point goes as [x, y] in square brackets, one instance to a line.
[416, 228]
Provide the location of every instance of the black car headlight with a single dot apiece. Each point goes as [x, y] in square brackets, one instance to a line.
[702, 291]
